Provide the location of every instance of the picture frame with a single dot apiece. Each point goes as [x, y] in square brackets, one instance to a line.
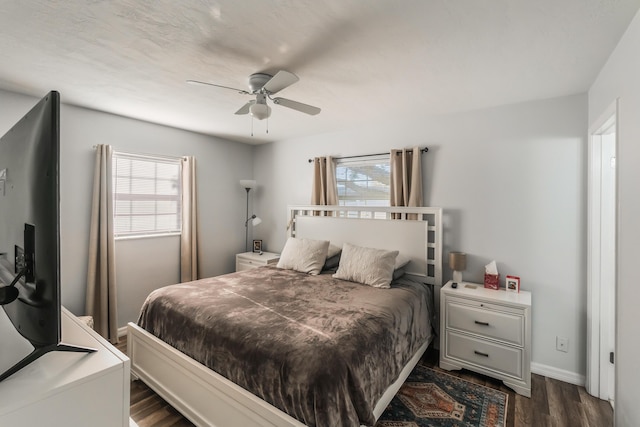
[512, 284]
[257, 246]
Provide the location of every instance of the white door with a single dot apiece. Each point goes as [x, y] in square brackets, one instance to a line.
[602, 258]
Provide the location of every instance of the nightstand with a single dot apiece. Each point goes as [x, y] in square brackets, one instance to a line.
[248, 260]
[487, 331]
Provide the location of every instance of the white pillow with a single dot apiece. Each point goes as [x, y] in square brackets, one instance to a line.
[304, 255]
[373, 267]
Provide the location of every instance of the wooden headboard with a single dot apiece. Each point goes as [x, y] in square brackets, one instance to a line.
[414, 232]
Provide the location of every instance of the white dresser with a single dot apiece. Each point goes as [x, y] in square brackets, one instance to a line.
[63, 389]
[487, 331]
[247, 260]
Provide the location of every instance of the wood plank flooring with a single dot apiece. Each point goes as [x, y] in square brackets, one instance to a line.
[553, 403]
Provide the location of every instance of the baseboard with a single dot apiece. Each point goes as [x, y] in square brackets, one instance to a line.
[558, 374]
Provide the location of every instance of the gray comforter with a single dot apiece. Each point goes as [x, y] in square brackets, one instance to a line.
[322, 350]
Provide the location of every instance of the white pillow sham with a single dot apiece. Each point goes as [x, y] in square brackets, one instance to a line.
[373, 267]
[304, 255]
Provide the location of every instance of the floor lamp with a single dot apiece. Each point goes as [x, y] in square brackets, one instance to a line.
[248, 184]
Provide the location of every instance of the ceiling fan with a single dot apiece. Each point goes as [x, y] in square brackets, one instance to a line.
[263, 86]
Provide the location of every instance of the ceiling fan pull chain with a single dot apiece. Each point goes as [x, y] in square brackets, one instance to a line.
[251, 125]
[267, 124]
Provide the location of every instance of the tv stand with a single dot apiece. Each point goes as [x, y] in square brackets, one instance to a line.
[41, 351]
[66, 386]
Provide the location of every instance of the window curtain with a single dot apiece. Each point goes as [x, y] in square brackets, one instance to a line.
[189, 235]
[406, 179]
[101, 275]
[325, 190]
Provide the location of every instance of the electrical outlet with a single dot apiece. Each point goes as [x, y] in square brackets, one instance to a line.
[562, 344]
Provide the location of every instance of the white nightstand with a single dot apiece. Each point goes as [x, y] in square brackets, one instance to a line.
[487, 331]
[247, 260]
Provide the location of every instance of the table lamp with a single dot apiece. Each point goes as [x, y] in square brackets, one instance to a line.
[457, 262]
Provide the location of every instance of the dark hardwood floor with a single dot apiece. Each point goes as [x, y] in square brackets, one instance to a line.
[553, 403]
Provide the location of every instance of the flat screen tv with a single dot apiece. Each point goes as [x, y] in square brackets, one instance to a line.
[30, 230]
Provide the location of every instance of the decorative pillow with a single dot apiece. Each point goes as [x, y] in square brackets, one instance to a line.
[304, 255]
[401, 261]
[333, 258]
[399, 267]
[333, 250]
[398, 273]
[332, 262]
[373, 267]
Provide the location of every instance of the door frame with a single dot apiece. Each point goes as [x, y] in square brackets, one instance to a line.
[597, 379]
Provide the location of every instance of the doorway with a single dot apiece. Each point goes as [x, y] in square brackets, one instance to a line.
[601, 256]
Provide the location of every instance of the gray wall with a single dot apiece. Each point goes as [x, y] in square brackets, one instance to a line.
[619, 78]
[145, 264]
[512, 181]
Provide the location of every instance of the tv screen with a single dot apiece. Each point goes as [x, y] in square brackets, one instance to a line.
[29, 229]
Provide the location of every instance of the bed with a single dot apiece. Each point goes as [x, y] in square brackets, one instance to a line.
[350, 384]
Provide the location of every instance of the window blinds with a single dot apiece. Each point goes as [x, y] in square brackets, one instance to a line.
[147, 199]
[363, 181]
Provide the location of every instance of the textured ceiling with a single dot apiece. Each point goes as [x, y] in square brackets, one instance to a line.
[359, 60]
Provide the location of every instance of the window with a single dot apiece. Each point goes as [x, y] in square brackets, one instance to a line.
[147, 199]
[363, 181]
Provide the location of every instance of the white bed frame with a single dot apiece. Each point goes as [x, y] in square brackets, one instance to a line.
[207, 398]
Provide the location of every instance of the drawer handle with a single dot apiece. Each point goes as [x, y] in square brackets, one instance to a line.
[482, 323]
[480, 354]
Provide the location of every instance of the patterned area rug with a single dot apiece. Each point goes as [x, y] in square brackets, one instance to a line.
[429, 398]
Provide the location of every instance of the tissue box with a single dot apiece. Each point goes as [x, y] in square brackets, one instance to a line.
[492, 281]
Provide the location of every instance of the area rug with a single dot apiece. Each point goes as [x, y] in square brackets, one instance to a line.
[430, 398]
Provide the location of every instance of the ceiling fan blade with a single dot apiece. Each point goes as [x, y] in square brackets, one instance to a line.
[298, 106]
[281, 80]
[245, 108]
[197, 83]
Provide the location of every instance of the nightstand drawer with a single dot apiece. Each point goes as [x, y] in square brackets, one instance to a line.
[249, 260]
[247, 265]
[499, 325]
[502, 359]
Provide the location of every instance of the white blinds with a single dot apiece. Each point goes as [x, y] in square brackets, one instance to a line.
[147, 199]
[363, 181]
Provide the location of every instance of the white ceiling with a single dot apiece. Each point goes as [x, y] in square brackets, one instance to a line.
[359, 60]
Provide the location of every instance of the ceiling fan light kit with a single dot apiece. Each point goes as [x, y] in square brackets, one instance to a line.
[264, 85]
[260, 111]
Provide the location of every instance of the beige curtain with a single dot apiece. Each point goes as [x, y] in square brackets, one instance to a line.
[101, 276]
[189, 236]
[325, 190]
[406, 179]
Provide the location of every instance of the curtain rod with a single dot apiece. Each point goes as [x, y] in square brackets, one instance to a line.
[159, 157]
[422, 150]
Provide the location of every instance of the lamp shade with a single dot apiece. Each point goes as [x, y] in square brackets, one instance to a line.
[248, 183]
[457, 261]
[260, 111]
[256, 221]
